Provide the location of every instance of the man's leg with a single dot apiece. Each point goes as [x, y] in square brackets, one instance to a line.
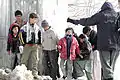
[53, 61]
[46, 69]
[40, 66]
[25, 56]
[105, 62]
[34, 59]
[114, 56]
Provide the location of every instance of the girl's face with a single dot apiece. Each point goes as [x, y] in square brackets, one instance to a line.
[15, 30]
[69, 32]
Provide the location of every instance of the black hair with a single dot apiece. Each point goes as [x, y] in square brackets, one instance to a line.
[69, 29]
[33, 15]
[18, 12]
[86, 29]
[82, 36]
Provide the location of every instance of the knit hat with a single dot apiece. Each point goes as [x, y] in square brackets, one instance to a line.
[44, 23]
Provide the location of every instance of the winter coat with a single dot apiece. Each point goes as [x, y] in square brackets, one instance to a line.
[106, 28]
[93, 39]
[30, 34]
[85, 50]
[74, 49]
[49, 40]
[13, 43]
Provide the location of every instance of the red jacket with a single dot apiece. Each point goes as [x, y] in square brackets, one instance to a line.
[62, 47]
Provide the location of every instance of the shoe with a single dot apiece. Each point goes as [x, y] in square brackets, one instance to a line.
[64, 77]
[58, 75]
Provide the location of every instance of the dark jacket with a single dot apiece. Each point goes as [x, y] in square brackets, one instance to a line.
[34, 31]
[13, 43]
[93, 39]
[105, 21]
[85, 50]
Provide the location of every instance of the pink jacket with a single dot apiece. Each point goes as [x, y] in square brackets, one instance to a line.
[62, 47]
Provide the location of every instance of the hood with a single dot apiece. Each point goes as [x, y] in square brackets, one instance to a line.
[15, 25]
[107, 5]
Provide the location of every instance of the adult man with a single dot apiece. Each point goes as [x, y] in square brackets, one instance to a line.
[106, 39]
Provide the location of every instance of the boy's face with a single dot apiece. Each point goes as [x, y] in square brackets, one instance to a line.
[15, 30]
[88, 33]
[18, 17]
[81, 40]
[46, 28]
[33, 20]
[69, 32]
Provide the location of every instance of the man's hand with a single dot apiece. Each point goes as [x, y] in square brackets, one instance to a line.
[69, 20]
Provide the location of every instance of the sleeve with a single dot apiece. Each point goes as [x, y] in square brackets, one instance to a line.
[86, 21]
[89, 47]
[8, 42]
[55, 37]
[22, 36]
[77, 48]
[59, 46]
[39, 37]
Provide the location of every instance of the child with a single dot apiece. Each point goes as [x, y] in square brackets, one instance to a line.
[31, 39]
[13, 45]
[68, 47]
[83, 61]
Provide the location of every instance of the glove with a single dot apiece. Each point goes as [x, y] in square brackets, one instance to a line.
[21, 49]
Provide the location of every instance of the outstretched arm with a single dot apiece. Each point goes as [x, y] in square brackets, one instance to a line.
[86, 21]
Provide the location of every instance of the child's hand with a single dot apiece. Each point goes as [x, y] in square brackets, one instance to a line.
[59, 47]
[9, 52]
[81, 56]
[21, 49]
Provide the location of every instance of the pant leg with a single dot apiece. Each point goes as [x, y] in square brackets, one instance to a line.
[34, 59]
[115, 55]
[96, 65]
[25, 56]
[79, 67]
[69, 69]
[89, 69]
[53, 62]
[40, 66]
[12, 61]
[63, 67]
[46, 69]
[18, 58]
[58, 72]
[105, 62]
